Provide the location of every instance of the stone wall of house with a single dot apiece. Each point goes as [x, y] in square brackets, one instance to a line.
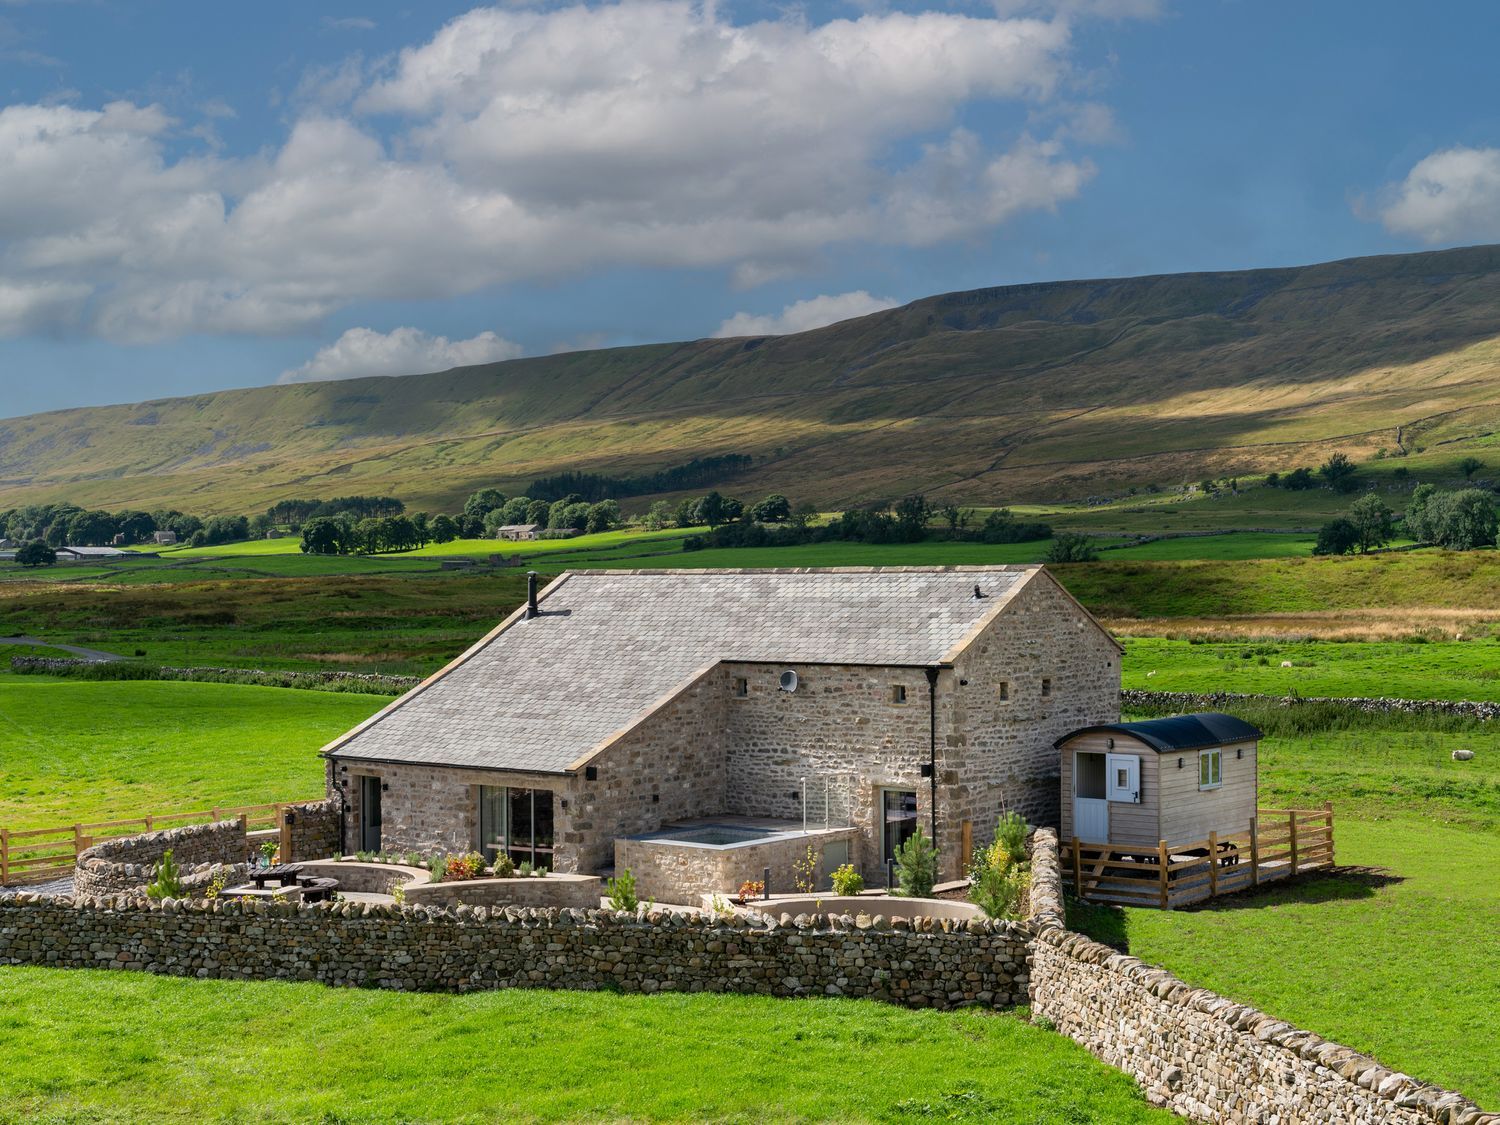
[683, 873]
[922, 964]
[310, 830]
[128, 864]
[435, 809]
[842, 731]
[1200, 1054]
[667, 769]
[997, 720]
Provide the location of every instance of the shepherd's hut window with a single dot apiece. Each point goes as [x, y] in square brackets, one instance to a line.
[1210, 775]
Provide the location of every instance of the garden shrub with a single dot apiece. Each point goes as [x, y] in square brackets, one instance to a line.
[847, 881]
[622, 894]
[167, 882]
[999, 875]
[505, 867]
[916, 866]
[469, 866]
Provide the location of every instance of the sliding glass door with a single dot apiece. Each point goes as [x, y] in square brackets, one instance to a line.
[517, 822]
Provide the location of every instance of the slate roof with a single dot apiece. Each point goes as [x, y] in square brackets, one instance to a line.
[611, 646]
[1179, 732]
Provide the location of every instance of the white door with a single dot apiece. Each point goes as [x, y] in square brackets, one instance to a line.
[1091, 820]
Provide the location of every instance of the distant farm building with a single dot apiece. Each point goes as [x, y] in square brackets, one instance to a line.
[516, 532]
[165, 538]
[89, 554]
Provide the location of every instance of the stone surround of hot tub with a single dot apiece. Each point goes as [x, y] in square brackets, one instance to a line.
[670, 866]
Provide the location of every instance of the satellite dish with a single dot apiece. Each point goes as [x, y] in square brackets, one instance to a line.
[789, 681]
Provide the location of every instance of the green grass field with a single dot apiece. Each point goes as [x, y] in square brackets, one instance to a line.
[1431, 670]
[88, 1045]
[1395, 954]
[80, 752]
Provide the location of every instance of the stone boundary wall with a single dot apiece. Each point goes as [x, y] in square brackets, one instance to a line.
[924, 964]
[122, 670]
[312, 830]
[1199, 1054]
[126, 865]
[1211, 701]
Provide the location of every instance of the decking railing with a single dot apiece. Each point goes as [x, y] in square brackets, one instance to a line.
[1277, 844]
[39, 855]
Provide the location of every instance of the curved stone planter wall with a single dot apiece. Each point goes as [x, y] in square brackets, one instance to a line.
[578, 891]
[126, 865]
[1199, 1054]
[368, 878]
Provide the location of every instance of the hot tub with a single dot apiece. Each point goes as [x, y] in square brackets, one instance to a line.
[679, 863]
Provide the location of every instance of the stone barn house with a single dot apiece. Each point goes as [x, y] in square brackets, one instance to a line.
[619, 702]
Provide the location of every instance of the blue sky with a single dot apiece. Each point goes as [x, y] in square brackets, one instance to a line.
[198, 196]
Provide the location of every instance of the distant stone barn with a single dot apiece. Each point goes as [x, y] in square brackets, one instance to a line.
[617, 702]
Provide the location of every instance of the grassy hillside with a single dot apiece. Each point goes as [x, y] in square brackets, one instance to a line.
[1027, 392]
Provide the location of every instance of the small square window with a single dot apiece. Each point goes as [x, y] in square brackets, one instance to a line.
[1210, 770]
[741, 686]
[1004, 690]
[1046, 686]
[898, 693]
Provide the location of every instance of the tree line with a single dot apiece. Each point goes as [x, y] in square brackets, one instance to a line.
[1459, 519]
[594, 487]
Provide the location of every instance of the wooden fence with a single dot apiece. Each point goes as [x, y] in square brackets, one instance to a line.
[1277, 844]
[39, 855]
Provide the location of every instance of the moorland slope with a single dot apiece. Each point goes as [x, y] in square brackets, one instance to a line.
[1042, 391]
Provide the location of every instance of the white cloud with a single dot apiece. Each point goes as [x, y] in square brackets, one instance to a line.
[800, 316]
[349, 23]
[402, 351]
[532, 145]
[1449, 196]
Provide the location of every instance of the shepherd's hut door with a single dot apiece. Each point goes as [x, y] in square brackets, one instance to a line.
[1090, 802]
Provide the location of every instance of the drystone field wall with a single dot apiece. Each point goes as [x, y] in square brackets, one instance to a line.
[364, 682]
[126, 865]
[926, 963]
[1183, 701]
[310, 831]
[1199, 1054]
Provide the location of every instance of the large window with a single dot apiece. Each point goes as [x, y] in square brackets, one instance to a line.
[900, 810]
[1210, 770]
[517, 822]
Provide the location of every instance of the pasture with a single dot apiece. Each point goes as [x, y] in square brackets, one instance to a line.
[1412, 669]
[1394, 953]
[105, 1047]
[82, 752]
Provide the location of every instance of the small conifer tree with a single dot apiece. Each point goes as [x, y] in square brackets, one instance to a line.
[168, 881]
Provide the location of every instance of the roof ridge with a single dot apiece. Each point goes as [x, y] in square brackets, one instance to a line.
[686, 571]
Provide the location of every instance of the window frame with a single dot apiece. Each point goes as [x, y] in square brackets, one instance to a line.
[741, 687]
[1046, 687]
[898, 694]
[1211, 762]
[1002, 693]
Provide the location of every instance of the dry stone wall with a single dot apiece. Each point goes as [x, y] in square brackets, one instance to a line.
[1181, 701]
[127, 864]
[925, 963]
[311, 830]
[1199, 1054]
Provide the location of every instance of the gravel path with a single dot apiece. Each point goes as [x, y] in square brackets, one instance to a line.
[56, 887]
[96, 655]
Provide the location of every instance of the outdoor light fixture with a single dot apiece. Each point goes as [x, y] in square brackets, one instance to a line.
[1240, 753]
[926, 770]
[385, 787]
[1111, 742]
[1179, 763]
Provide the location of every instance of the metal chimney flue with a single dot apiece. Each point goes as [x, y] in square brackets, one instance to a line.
[531, 609]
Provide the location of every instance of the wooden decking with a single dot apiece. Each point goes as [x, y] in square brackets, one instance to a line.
[1277, 844]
